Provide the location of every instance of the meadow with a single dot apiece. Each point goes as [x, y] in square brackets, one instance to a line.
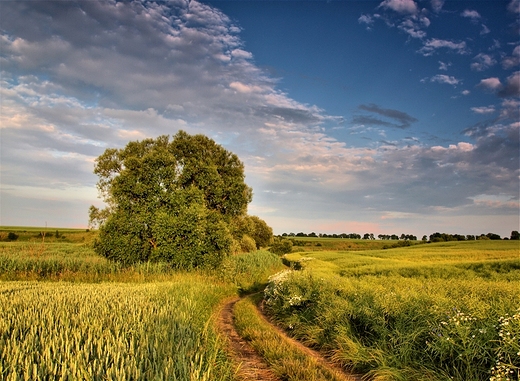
[444, 311]
[68, 314]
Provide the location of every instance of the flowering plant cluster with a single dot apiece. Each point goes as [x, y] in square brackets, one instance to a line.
[274, 290]
[469, 342]
[290, 292]
[507, 366]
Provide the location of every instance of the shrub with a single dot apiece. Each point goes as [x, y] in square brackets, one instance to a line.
[247, 244]
[12, 236]
[281, 246]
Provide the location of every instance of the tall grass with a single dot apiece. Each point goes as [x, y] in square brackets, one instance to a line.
[89, 318]
[430, 312]
[154, 331]
[250, 271]
[71, 262]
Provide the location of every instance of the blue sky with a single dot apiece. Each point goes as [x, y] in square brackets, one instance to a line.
[387, 117]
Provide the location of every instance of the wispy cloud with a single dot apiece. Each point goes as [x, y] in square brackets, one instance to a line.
[432, 45]
[437, 5]
[483, 109]
[482, 62]
[514, 6]
[368, 20]
[513, 60]
[447, 79]
[444, 65]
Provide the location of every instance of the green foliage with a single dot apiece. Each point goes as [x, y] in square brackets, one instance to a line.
[262, 233]
[38, 234]
[247, 244]
[169, 201]
[251, 227]
[281, 246]
[71, 262]
[250, 271]
[12, 236]
[139, 322]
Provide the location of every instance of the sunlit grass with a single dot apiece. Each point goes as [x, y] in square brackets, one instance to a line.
[428, 312]
[74, 315]
[52, 331]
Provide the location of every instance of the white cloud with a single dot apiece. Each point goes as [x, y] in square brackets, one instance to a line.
[400, 6]
[444, 65]
[169, 70]
[510, 89]
[514, 6]
[492, 83]
[412, 29]
[482, 62]
[513, 60]
[366, 19]
[433, 44]
[474, 15]
[442, 78]
[239, 53]
[243, 88]
[510, 109]
[512, 86]
[485, 30]
[483, 109]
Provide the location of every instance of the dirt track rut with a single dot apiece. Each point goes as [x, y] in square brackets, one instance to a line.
[252, 367]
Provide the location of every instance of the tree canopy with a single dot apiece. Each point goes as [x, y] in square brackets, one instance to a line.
[171, 200]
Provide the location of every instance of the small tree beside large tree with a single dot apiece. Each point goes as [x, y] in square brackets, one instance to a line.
[172, 200]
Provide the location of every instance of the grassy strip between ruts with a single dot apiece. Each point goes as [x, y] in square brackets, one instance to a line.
[287, 361]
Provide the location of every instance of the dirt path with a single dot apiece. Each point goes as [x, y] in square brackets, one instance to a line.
[252, 366]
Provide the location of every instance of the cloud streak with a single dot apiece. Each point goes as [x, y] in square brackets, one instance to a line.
[400, 119]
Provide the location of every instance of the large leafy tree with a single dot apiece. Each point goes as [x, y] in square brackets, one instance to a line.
[169, 200]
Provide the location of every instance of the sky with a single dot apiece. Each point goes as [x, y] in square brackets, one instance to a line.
[384, 117]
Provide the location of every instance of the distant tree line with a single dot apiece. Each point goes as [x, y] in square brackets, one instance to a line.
[351, 236]
[444, 237]
[323, 235]
[435, 237]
